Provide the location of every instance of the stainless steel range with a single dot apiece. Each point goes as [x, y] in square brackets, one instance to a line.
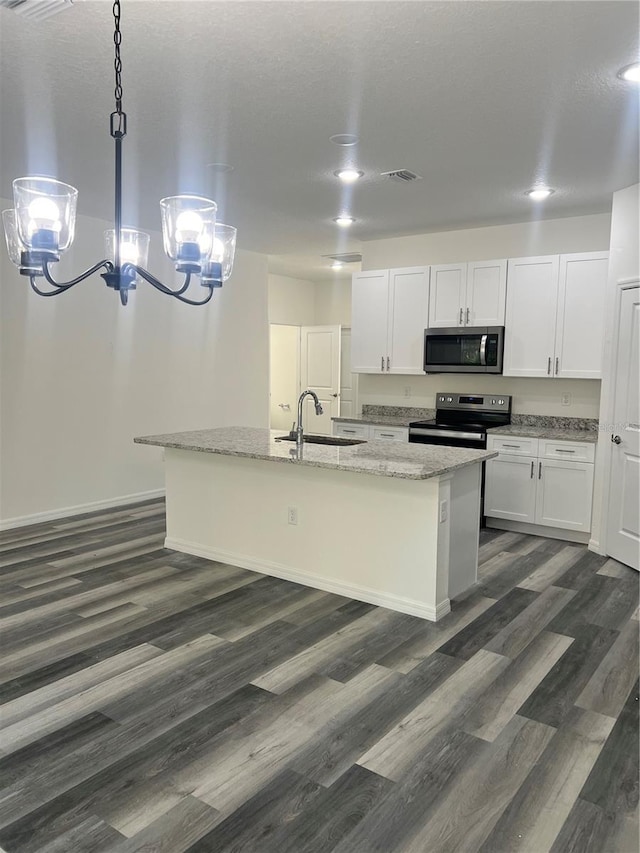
[462, 420]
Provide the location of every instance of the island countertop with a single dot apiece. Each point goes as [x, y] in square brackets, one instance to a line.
[406, 461]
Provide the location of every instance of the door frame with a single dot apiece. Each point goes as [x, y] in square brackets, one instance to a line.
[599, 532]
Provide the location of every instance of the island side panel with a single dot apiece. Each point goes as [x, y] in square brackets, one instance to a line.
[368, 537]
[464, 536]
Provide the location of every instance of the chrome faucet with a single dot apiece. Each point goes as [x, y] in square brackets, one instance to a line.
[318, 406]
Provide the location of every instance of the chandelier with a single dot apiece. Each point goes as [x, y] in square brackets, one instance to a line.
[41, 226]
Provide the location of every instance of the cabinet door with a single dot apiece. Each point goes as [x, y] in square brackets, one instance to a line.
[564, 494]
[510, 488]
[530, 320]
[408, 317]
[580, 321]
[369, 321]
[486, 293]
[447, 295]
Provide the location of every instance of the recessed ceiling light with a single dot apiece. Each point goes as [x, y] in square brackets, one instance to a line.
[539, 193]
[343, 139]
[345, 221]
[336, 265]
[348, 176]
[222, 168]
[630, 73]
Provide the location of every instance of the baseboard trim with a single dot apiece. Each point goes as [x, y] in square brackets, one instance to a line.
[594, 545]
[267, 567]
[538, 530]
[94, 506]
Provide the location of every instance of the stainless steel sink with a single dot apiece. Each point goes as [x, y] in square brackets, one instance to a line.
[334, 441]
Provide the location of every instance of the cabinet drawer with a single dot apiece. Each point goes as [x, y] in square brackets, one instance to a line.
[513, 445]
[351, 430]
[389, 433]
[570, 451]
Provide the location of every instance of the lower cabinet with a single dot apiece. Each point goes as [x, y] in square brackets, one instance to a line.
[547, 488]
[371, 432]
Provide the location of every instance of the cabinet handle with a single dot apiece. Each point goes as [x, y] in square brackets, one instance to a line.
[460, 317]
[388, 363]
[549, 367]
[557, 366]
[532, 465]
[350, 431]
[381, 362]
[564, 451]
[467, 320]
[386, 435]
[514, 446]
[539, 470]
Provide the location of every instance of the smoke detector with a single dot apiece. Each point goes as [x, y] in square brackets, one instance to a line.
[36, 10]
[403, 176]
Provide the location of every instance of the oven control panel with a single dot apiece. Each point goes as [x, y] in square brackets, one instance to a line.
[470, 402]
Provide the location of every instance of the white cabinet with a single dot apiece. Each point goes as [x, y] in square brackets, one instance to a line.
[388, 319]
[555, 316]
[371, 432]
[547, 487]
[471, 294]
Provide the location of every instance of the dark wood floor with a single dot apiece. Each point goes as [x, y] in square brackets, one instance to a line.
[156, 701]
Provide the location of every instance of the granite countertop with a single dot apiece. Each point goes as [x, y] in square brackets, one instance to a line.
[406, 461]
[549, 432]
[398, 416]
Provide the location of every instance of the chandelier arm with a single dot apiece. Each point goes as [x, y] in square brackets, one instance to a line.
[55, 292]
[106, 264]
[143, 273]
[193, 301]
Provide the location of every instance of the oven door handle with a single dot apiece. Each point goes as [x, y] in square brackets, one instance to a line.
[483, 350]
[447, 433]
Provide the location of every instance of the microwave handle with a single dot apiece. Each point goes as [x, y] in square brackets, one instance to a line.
[483, 350]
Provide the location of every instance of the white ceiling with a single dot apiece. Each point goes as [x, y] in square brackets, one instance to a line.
[483, 99]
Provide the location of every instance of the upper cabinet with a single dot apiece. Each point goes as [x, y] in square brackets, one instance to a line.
[468, 294]
[555, 316]
[388, 318]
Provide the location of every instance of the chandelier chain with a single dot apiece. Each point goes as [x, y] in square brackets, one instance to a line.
[117, 65]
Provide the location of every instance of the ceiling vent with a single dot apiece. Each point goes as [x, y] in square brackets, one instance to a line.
[403, 176]
[36, 10]
[346, 258]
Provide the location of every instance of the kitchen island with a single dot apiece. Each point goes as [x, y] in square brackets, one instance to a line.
[394, 526]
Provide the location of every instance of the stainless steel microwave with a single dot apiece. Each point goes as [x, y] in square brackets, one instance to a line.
[464, 350]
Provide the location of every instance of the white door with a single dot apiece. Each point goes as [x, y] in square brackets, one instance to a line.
[623, 536]
[447, 295]
[530, 320]
[284, 379]
[320, 372]
[408, 318]
[580, 322]
[486, 293]
[565, 491]
[369, 316]
[510, 488]
[348, 380]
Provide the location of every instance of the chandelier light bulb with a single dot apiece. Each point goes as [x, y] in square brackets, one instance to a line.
[44, 213]
[188, 226]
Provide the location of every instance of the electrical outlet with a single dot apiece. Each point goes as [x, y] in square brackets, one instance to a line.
[407, 390]
[566, 398]
[444, 511]
[292, 515]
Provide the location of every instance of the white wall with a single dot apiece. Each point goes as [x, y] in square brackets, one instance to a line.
[82, 375]
[333, 302]
[523, 239]
[531, 396]
[291, 301]
[624, 265]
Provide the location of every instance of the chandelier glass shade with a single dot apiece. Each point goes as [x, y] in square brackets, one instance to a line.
[41, 227]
